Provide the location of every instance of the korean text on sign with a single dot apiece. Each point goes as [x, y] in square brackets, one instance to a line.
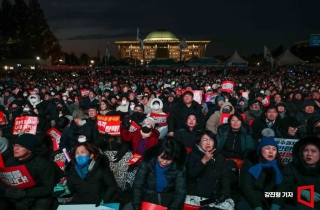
[109, 124]
[16, 176]
[25, 124]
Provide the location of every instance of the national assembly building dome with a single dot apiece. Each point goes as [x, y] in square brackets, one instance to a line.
[161, 35]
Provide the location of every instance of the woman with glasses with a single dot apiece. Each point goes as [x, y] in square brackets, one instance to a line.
[207, 172]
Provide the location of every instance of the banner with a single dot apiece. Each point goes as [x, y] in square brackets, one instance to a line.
[84, 92]
[266, 101]
[227, 86]
[26, 124]
[55, 136]
[151, 206]
[136, 158]
[224, 118]
[267, 55]
[197, 96]
[161, 119]
[133, 127]
[109, 125]
[285, 148]
[16, 176]
[3, 119]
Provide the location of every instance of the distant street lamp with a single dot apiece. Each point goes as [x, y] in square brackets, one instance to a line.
[92, 61]
[38, 58]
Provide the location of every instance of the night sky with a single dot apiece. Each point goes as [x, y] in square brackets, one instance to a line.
[87, 26]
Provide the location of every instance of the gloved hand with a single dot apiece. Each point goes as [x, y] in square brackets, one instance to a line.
[305, 194]
[15, 193]
[126, 122]
[136, 207]
[119, 155]
[99, 203]
[220, 199]
[58, 190]
[132, 167]
[275, 207]
[316, 197]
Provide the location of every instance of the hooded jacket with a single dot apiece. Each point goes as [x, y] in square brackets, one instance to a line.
[214, 121]
[260, 123]
[144, 185]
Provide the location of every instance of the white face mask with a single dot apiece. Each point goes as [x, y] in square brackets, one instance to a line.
[132, 107]
[26, 109]
[25, 94]
[52, 93]
[123, 103]
[64, 98]
[82, 122]
[156, 107]
[227, 100]
[33, 100]
[82, 139]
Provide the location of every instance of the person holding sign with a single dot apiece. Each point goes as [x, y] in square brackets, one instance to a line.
[159, 116]
[304, 170]
[29, 185]
[89, 178]
[161, 178]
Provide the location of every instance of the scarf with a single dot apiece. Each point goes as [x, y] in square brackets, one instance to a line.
[161, 180]
[256, 170]
[255, 113]
[84, 170]
[283, 114]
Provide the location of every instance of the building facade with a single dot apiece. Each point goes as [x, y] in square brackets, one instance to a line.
[161, 45]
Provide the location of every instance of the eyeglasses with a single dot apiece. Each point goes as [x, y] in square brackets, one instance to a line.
[17, 145]
[205, 140]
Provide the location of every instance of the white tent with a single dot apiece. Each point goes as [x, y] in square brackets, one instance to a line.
[236, 60]
[287, 58]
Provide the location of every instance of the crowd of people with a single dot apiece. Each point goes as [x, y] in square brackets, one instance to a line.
[188, 154]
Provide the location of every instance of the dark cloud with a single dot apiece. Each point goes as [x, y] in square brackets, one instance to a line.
[243, 25]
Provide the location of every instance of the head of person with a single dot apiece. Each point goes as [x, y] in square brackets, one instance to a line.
[289, 125]
[307, 150]
[207, 140]
[308, 106]
[92, 94]
[92, 112]
[188, 97]
[83, 153]
[70, 100]
[168, 151]
[281, 107]
[268, 149]
[138, 110]
[271, 113]
[220, 100]
[145, 100]
[191, 121]
[79, 118]
[171, 98]
[104, 105]
[148, 125]
[255, 105]
[131, 96]
[156, 104]
[24, 145]
[235, 121]
[132, 105]
[124, 100]
[63, 122]
[277, 98]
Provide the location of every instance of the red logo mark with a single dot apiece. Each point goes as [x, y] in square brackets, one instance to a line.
[308, 187]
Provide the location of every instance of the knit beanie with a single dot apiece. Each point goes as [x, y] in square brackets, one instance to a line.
[28, 141]
[267, 141]
[149, 120]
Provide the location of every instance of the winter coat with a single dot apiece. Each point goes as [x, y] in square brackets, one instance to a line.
[250, 117]
[42, 172]
[246, 140]
[254, 189]
[98, 185]
[207, 180]
[188, 137]
[294, 106]
[135, 137]
[181, 111]
[87, 102]
[297, 173]
[73, 107]
[214, 121]
[168, 107]
[144, 185]
[260, 123]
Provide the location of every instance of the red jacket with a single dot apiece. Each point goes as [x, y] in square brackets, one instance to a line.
[135, 137]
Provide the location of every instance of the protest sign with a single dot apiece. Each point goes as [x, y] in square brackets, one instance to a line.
[161, 119]
[55, 136]
[136, 158]
[84, 92]
[25, 124]
[3, 119]
[285, 148]
[16, 176]
[227, 86]
[133, 127]
[151, 206]
[266, 101]
[109, 125]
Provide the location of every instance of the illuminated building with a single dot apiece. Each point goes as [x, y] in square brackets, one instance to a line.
[161, 45]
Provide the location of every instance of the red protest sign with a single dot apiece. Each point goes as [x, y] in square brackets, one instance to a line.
[1, 161]
[197, 96]
[84, 92]
[32, 91]
[161, 119]
[227, 86]
[238, 161]
[16, 176]
[55, 136]
[60, 164]
[224, 118]
[26, 124]
[266, 101]
[109, 124]
[207, 97]
[151, 206]
[190, 207]
[135, 159]
[3, 119]
[133, 127]
[76, 99]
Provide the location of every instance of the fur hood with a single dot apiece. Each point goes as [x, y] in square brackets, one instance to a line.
[160, 102]
[180, 162]
[34, 104]
[227, 104]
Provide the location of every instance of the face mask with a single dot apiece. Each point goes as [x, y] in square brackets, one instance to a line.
[64, 98]
[25, 94]
[227, 100]
[33, 100]
[317, 130]
[52, 93]
[26, 109]
[226, 110]
[69, 102]
[132, 107]
[145, 130]
[156, 107]
[82, 139]
[83, 160]
[123, 103]
[82, 122]
[137, 114]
